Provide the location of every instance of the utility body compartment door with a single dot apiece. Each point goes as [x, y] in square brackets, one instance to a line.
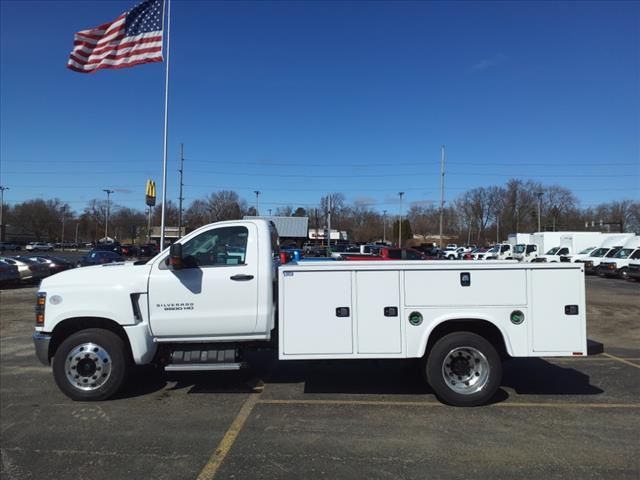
[558, 311]
[317, 315]
[378, 311]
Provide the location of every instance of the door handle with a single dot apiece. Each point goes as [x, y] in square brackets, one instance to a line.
[241, 278]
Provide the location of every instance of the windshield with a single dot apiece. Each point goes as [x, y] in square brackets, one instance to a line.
[586, 250]
[623, 253]
[519, 248]
[493, 249]
[600, 252]
[552, 251]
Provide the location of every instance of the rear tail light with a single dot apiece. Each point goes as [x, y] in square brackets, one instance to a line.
[41, 300]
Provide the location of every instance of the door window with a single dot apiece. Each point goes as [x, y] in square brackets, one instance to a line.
[217, 247]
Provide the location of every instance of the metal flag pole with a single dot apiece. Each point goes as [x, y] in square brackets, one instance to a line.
[166, 128]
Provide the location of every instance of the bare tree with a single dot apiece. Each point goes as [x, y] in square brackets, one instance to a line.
[284, 211]
[226, 205]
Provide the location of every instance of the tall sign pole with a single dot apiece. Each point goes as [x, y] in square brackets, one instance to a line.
[166, 128]
[441, 191]
[150, 200]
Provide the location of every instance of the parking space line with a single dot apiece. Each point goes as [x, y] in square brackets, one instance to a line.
[622, 360]
[393, 403]
[210, 469]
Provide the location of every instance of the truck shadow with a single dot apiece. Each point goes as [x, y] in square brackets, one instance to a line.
[524, 376]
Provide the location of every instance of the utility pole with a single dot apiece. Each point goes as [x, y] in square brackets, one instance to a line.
[2, 189]
[539, 195]
[77, 226]
[329, 227]
[384, 226]
[257, 192]
[400, 223]
[106, 223]
[180, 198]
[442, 154]
[64, 211]
[269, 212]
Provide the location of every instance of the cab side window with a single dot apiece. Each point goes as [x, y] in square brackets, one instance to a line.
[217, 247]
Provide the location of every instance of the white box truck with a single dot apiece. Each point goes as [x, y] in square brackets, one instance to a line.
[219, 291]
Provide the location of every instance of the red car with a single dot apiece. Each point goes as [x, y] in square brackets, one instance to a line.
[387, 253]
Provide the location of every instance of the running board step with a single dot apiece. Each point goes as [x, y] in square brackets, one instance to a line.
[199, 367]
[203, 354]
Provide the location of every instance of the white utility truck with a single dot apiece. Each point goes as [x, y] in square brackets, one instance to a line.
[219, 291]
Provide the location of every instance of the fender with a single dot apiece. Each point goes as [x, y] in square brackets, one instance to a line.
[466, 316]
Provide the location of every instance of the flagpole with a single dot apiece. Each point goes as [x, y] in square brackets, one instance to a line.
[166, 129]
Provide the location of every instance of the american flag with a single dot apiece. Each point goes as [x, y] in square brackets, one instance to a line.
[133, 38]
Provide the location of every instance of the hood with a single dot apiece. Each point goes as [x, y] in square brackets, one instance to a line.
[126, 275]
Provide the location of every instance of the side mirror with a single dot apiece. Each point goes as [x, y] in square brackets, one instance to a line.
[175, 256]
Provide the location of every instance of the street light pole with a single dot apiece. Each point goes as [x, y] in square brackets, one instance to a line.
[64, 211]
[257, 192]
[2, 189]
[384, 226]
[400, 223]
[106, 223]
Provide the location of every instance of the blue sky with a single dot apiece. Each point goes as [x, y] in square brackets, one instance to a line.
[298, 99]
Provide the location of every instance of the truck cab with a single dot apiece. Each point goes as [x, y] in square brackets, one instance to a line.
[525, 252]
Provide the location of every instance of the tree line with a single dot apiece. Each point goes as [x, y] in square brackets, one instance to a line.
[478, 216]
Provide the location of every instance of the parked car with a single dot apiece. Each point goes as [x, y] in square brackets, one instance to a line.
[148, 250]
[108, 247]
[30, 271]
[387, 253]
[475, 254]
[9, 246]
[9, 275]
[54, 264]
[39, 247]
[98, 257]
[128, 250]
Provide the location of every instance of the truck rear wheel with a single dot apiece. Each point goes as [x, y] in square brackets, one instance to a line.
[90, 365]
[464, 369]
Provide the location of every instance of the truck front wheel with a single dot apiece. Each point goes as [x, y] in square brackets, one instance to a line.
[90, 365]
[464, 369]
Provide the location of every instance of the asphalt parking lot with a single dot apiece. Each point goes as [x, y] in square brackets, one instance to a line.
[553, 418]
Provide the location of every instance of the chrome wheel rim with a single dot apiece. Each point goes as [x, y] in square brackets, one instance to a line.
[88, 366]
[465, 370]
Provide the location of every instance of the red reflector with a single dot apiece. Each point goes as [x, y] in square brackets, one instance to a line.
[577, 353]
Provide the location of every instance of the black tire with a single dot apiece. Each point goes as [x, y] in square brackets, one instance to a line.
[106, 364]
[477, 362]
[624, 273]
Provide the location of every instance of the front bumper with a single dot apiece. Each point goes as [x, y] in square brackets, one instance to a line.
[41, 342]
